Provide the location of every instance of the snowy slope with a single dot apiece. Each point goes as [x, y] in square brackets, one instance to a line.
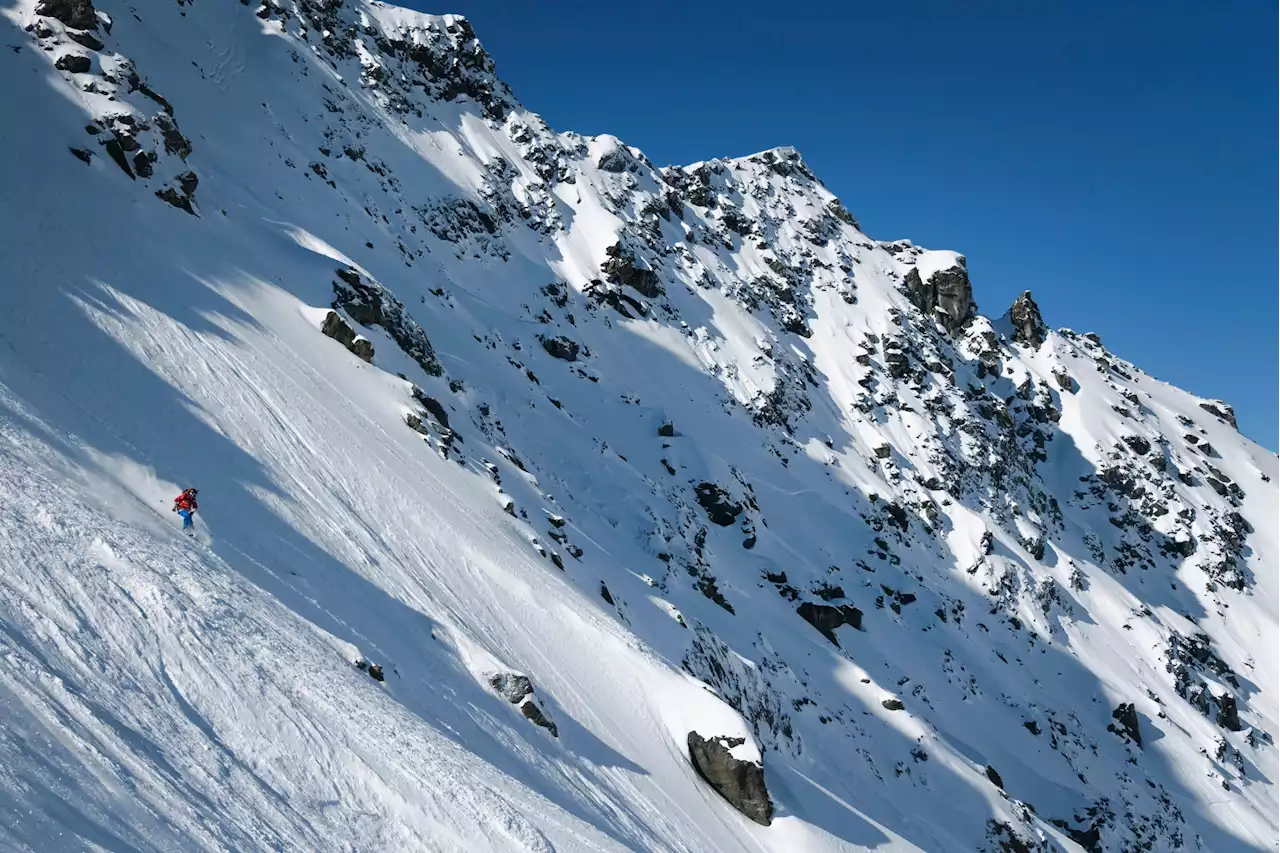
[682, 446]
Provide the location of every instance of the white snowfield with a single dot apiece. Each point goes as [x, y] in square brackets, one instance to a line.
[1031, 536]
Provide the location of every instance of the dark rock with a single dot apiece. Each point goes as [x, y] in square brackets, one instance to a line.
[518, 690]
[1228, 713]
[741, 783]
[432, 405]
[77, 14]
[82, 154]
[73, 62]
[615, 160]
[375, 672]
[715, 501]
[892, 704]
[337, 328]
[174, 142]
[371, 304]
[188, 181]
[534, 715]
[362, 349]
[511, 686]
[561, 347]
[173, 198]
[667, 430]
[827, 618]
[1028, 326]
[1222, 410]
[605, 594]
[1126, 725]
[623, 268]
[85, 39]
[947, 296]
[883, 451]
[1064, 380]
[142, 164]
[1138, 444]
[995, 777]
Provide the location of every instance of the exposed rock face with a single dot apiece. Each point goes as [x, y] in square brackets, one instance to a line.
[1126, 725]
[947, 295]
[623, 268]
[1220, 409]
[370, 304]
[1228, 714]
[73, 63]
[337, 328]
[561, 347]
[77, 14]
[1028, 326]
[518, 690]
[715, 500]
[826, 617]
[740, 782]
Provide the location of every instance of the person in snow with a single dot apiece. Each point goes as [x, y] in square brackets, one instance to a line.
[185, 506]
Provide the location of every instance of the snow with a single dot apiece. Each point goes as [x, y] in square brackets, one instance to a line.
[164, 694]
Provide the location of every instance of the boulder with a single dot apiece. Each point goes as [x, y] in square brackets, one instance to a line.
[827, 617]
[77, 14]
[715, 501]
[995, 777]
[1228, 713]
[892, 704]
[1126, 722]
[74, 63]
[1028, 326]
[518, 690]
[739, 781]
[561, 347]
[337, 328]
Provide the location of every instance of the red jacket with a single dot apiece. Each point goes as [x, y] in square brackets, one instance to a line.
[186, 500]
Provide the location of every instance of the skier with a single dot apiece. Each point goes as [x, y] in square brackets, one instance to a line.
[185, 506]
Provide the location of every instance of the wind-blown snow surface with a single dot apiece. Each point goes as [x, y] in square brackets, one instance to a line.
[687, 410]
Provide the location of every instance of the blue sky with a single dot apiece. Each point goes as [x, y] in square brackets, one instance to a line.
[1117, 159]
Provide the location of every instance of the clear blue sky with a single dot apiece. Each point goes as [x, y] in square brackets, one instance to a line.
[1116, 158]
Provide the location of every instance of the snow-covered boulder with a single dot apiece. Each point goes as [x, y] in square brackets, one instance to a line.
[733, 767]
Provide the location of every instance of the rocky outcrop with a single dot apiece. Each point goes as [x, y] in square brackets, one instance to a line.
[1028, 325]
[1221, 410]
[73, 63]
[370, 304]
[77, 14]
[1126, 723]
[826, 617]
[947, 295]
[561, 347]
[715, 500]
[337, 328]
[740, 782]
[623, 268]
[518, 690]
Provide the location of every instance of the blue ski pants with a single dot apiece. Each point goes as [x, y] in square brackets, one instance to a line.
[187, 522]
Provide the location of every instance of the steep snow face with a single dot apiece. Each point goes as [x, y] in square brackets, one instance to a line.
[521, 461]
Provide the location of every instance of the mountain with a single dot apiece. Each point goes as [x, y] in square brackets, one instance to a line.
[554, 501]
